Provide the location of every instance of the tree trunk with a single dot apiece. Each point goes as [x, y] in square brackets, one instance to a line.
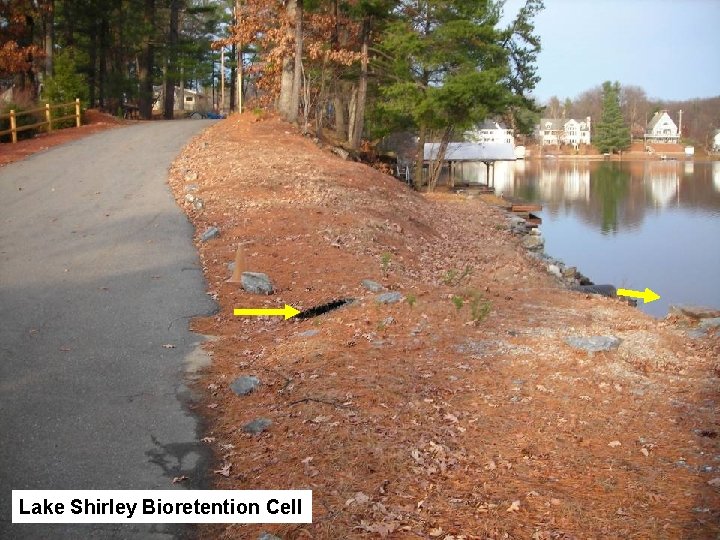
[356, 134]
[420, 158]
[352, 109]
[339, 106]
[288, 75]
[92, 77]
[145, 97]
[297, 79]
[233, 81]
[49, 38]
[169, 105]
[181, 84]
[436, 165]
[102, 58]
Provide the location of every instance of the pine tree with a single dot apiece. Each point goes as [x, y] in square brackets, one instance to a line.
[611, 133]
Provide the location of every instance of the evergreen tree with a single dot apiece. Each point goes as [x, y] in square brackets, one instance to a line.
[611, 133]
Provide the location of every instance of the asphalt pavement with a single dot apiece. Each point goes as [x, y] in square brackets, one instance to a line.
[98, 280]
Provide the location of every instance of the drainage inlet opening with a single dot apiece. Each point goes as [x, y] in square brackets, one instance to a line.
[324, 308]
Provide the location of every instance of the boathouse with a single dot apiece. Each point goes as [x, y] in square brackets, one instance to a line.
[469, 164]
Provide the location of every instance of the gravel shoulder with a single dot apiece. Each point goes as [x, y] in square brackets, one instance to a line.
[459, 411]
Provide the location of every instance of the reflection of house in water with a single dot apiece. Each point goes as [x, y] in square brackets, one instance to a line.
[716, 175]
[664, 181]
[569, 182]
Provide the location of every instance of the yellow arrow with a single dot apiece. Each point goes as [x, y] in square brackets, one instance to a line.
[287, 312]
[647, 295]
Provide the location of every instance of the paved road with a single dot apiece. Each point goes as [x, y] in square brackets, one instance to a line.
[97, 273]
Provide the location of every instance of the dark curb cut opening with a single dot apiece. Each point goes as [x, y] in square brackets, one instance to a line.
[324, 308]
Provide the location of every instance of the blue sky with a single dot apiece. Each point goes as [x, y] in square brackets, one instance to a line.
[671, 48]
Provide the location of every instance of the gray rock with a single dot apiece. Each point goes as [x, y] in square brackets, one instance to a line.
[533, 242]
[604, 290]
[695, 312]
[372, 286]
[516, 221]
[388, 321]
[190, 197]
[198, 204]
[309, 333]
[257, 426]
[554, 270]
[245, 385]
[209, 234]
[191, 176]
[594, 344]
[392, 297]
[256, 283]
[341, 152]
[569, 272]
[231, 266]
[710, 323]
[191, 187]
[268, 536]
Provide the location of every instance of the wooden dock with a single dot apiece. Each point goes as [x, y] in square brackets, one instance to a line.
[516, 206]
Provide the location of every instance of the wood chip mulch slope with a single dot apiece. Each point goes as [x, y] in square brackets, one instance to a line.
[412, 420]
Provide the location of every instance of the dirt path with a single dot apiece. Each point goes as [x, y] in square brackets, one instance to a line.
[98, 277]
[459, 411]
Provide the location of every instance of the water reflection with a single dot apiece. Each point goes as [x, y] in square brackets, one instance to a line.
[633, 224]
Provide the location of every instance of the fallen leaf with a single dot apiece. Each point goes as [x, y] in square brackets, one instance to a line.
[715, 482]
[514, 507]
[614, 444]
[645, 452]
[435, 532]
[168, 346]
[179, 479]
[208, 440]
[212, 406]
[65, 349]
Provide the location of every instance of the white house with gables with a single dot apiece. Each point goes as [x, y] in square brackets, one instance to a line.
[557, 131]
[490, 132]
[662, 129]
[716, 141]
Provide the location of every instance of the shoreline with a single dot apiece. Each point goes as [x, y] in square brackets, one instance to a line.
[451, 393]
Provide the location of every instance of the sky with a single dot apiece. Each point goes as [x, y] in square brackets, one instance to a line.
[670, 48]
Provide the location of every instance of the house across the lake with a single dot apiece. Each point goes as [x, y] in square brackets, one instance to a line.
[716, 141]
[490, 132]
[662, 129]
[558, 131]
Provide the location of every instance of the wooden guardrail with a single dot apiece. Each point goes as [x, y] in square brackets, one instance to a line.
[49, 118]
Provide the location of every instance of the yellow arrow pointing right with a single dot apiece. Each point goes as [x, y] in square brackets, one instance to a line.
[288, 312]
[647, 295]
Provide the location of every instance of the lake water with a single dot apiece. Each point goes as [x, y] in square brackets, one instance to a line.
[633, 224]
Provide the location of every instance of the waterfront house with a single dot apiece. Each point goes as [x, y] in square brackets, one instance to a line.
[490, 132]
[716, 141]
[558, 131]
[662, 129]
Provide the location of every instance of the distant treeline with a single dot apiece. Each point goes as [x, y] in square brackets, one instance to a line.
[700, 117]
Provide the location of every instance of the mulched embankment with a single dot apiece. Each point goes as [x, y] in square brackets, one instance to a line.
[458, 412]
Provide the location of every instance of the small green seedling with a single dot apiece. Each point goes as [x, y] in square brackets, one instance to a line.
[457, 301]
[411, 299]
[385, 259]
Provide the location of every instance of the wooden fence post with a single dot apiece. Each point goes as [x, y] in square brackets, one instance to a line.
[77, 112]
[13, 125]
[48, 117]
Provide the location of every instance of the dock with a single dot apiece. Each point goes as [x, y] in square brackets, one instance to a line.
[516, 206]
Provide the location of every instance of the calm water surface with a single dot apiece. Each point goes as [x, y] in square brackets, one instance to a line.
[634, 224]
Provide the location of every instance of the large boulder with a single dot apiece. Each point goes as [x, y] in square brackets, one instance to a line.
[593, 344]
[256, 283]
